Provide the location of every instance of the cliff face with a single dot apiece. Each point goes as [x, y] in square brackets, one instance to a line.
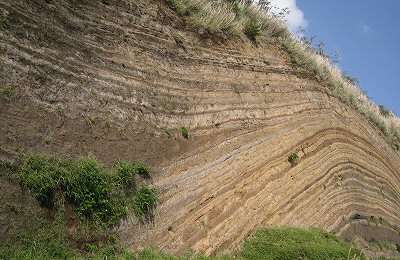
[118, 79]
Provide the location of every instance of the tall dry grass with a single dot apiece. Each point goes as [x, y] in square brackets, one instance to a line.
[234, 18]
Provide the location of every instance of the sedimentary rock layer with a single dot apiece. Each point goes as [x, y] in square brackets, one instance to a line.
[117, 79]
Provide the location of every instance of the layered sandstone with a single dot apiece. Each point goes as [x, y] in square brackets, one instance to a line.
[117, 79]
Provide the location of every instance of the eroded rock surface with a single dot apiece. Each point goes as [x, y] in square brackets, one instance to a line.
[117, 79]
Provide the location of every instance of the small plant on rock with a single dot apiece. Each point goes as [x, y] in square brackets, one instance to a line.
[293, 158]
[7, 93]
[185, 132]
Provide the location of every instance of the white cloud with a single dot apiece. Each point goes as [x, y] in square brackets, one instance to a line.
[295, 18]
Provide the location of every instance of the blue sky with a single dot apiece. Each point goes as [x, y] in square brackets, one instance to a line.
[365, 34]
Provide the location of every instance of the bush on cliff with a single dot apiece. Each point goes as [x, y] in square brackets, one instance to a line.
[94, 191]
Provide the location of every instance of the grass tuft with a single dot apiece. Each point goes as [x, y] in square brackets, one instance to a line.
[185, 132]
[7, 93]
[293, 158]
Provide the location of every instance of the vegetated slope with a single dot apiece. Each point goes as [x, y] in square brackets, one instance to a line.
[119, 79]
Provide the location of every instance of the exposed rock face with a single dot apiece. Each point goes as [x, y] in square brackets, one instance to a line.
[118, 79]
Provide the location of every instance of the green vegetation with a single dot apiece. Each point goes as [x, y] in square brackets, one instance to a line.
[89, 188]
[99, 196]
[102, 197]
[7, 92]
[126, 172]
[280, 243]
[292, 243]
[145, 203]
[142, 170]
[293, 158]
[50, 242]
[185, 132]
[258, 20]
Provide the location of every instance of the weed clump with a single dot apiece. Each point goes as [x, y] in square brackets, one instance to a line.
[43, 177]
[89, 188]
[185, 132]
[145, 202]
[94, 192]
[293, 158]
[125, 176]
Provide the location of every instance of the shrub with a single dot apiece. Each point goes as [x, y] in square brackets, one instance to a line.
[145, 203]
[126, 172]
[91, 189]
[185, 132]
[42, 176]
[293, 158]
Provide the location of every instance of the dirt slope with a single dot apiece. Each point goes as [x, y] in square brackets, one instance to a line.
[117, 79]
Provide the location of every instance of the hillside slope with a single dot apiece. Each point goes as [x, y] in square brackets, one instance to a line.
[118, 79]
